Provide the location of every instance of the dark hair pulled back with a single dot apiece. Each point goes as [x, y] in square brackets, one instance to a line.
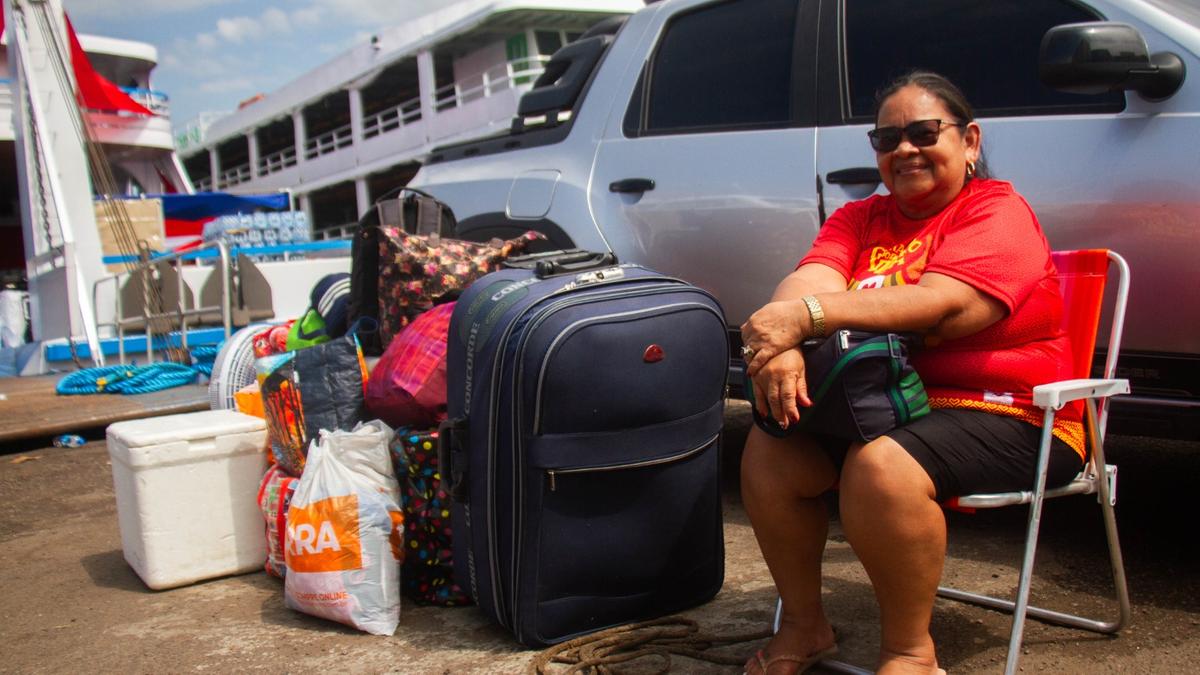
[946, 91]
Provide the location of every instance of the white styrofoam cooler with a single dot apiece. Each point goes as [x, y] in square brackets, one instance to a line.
[186, 490]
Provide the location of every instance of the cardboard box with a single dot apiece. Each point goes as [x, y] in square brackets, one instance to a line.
[144, 215]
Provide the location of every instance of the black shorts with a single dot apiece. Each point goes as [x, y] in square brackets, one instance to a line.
[971, 452]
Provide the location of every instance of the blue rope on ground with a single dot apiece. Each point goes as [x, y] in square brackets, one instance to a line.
[206, 353]
[127, 379]
[205, 357]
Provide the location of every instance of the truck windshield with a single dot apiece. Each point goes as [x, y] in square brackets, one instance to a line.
[1185, 10]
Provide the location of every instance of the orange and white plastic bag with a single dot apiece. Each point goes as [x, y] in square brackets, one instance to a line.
[344, 528]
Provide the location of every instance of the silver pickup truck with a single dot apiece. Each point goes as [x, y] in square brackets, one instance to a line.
[709, 140]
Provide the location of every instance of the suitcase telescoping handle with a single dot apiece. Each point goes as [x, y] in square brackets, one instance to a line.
[452, 460]
[568, 261]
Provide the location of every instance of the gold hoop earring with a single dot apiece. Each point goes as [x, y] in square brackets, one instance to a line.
[970, 169]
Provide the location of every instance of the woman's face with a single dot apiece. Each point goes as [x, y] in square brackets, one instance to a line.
[925, 179]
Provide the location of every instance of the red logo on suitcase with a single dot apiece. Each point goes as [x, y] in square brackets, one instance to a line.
[653, 354]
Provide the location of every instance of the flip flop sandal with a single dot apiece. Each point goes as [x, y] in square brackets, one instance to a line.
[803, 663]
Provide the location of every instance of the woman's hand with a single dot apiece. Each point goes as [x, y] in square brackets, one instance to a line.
[772, 330]
[780, 388]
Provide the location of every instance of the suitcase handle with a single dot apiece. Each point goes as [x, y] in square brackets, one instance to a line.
[568, 261]
[454, 473]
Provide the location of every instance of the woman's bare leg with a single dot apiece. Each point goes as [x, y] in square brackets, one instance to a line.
[897, 529]
[782, 483]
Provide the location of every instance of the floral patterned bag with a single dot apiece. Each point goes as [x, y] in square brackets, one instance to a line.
[417, 271]
[413, 211]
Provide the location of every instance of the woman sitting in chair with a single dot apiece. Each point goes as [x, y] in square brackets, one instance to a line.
[954, 255]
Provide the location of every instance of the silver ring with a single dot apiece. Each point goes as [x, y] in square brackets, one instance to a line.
[748, 352]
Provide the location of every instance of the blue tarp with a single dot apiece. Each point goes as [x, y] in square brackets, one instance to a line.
[205, 205]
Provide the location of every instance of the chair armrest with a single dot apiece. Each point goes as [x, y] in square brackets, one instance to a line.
[1057, 394]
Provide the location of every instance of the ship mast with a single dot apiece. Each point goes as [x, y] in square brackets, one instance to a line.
[62, 245]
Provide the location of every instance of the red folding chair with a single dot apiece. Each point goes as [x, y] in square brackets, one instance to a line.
[1082, 276]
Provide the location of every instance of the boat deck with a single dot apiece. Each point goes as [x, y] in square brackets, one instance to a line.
[30, 408]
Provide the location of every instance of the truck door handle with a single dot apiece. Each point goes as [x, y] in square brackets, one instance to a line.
[631, 185]
[858, 175]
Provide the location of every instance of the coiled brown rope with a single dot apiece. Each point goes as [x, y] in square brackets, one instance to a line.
[598, 653]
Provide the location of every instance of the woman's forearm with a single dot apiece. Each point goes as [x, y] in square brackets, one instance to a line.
[939, 305]
[808, 280]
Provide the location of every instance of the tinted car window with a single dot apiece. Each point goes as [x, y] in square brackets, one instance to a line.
[724, 66]
[989, 48]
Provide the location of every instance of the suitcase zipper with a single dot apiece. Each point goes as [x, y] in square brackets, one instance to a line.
[552, 474]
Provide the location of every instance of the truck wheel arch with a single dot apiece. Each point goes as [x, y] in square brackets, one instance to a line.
[485, 226]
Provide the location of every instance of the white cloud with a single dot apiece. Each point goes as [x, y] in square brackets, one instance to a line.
[309, 16]
[275, 20]
[342, 45]
[379, 12]
[227, 85]
[112, 9]
[238, 28]
[193, 59]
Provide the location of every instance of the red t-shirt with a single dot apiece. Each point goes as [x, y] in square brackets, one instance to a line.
[987, 237]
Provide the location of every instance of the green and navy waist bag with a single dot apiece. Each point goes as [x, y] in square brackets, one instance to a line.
[861, 385]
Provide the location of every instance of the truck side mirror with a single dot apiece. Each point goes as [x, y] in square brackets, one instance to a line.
[1101, 56]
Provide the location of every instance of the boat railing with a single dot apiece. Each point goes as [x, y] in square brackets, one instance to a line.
[186, 310]
[203, 184]
[155, 101]
[235, 175]
[329, 141]
[496, 79]
[262, 252]
[341, 232]
[393, 118]
[277, 161]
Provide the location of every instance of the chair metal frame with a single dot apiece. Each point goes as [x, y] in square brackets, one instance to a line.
[1098, 477]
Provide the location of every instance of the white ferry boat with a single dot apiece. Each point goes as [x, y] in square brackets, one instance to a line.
[140, 148]
[71, 107]
[335, 138]
[342, 134]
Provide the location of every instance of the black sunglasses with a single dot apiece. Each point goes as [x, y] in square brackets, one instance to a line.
[921, 133]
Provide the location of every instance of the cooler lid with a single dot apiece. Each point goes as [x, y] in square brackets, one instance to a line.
[184, 427]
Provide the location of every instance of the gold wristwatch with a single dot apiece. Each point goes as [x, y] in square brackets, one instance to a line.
[817, 314]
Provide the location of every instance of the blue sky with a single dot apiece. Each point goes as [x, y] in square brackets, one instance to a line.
[214, 53]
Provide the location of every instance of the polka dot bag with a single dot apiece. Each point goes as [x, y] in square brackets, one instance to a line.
[427, 574]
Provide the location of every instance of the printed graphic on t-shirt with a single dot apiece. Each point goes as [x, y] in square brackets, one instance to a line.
[881, 260]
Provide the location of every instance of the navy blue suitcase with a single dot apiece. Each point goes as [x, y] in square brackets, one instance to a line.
[585, 412]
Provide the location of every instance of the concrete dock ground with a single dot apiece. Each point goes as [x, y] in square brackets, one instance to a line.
[72, 604]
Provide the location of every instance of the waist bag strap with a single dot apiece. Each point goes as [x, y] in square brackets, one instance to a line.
[887, 346]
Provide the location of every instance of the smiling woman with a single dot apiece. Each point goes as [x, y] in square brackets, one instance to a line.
[930, 150]
[959, 258]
